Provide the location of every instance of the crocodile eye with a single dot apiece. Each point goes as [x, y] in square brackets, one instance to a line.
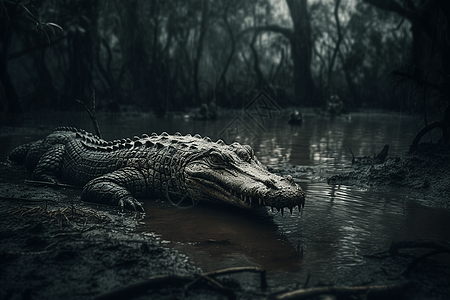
[245, 153]
[250, 151]
[216, 159]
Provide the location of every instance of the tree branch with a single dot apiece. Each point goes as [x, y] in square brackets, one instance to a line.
[288, 33]
[38, 47]
[393, 6]
[92, 114]
[379, 291]
[233, 47]
[338, 42]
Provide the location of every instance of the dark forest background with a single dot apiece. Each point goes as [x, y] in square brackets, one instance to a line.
[165, 55]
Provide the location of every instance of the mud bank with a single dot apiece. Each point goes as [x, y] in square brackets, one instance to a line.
[62, 249]
[424, 173]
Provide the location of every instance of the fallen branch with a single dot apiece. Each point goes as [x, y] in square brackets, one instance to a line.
[438, 247]
[138, 288]
[262, 272]
[442, 125]
[418, 260]
[430, 244]
[51, 184]
[374, 291]
[27, 200]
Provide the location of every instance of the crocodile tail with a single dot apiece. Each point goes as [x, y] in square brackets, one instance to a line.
[19, 154]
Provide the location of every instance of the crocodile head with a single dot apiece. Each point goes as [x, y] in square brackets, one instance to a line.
[232, 174]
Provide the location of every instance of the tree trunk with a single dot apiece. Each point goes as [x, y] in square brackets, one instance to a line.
[261, 82]
[221, 84]
[419, 24]
[348, 78]
[135, 54]
[12, 99]
[79, 83]
[336, 48]
[301, 49]
[203, 27]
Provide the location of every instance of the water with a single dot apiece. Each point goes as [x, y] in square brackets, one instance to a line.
[339, 224]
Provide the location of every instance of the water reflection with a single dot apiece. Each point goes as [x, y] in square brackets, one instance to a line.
[341, 224]
[224, 235]
[324, 141]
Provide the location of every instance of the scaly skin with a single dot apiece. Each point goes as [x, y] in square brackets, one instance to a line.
[173, 166]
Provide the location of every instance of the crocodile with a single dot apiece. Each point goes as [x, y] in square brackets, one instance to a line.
[166, 166]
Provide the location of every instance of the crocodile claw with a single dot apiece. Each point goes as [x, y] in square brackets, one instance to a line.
[130, 203]
[101, 190]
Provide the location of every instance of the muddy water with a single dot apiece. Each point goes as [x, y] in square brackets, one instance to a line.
[338, 225]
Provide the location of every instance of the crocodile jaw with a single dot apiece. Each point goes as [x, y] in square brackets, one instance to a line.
[247, 185]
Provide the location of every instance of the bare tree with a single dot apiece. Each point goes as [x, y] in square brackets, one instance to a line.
[301, 49]
[203, 28]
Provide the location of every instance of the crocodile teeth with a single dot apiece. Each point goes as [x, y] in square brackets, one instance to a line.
[250, 198]
[282, 211]
[290, 208]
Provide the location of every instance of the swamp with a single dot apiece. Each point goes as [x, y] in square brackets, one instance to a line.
[348, 98]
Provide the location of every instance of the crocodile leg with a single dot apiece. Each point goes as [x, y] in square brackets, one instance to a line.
[117, 188]
[49, 166]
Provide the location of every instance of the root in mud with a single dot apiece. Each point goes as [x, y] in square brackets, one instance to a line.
[438, 247]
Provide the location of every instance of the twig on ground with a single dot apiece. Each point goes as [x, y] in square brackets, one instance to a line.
[27, 200]
[374, 291]
[138, 288]
[51, 184]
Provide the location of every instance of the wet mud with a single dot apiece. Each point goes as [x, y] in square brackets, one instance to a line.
[423, 172]
[58, 248]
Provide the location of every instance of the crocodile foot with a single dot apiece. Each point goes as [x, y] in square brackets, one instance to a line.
[110, 193]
